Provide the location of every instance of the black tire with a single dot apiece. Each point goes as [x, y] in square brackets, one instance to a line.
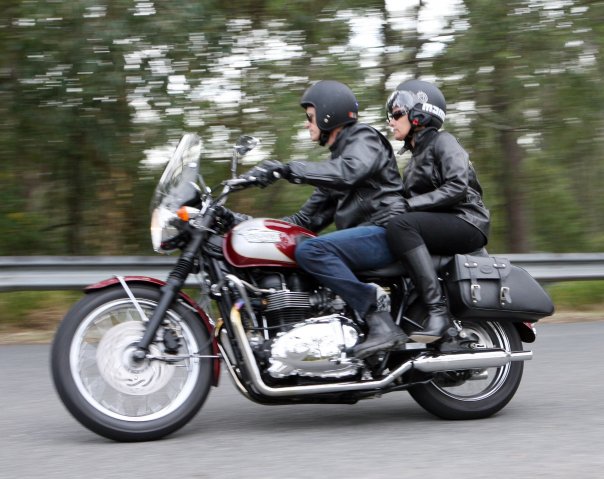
[475, 394]
[114, 397]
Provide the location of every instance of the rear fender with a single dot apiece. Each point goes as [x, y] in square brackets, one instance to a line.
[108, 283]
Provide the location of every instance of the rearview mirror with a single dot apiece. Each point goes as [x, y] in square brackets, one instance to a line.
[244, 144]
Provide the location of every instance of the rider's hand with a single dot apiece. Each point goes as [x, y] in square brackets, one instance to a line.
[268, 172]
[228, 218]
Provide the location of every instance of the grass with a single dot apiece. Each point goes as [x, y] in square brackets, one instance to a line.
[578, 295]
[32, 316]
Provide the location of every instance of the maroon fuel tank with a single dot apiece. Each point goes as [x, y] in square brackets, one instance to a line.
[263, 242]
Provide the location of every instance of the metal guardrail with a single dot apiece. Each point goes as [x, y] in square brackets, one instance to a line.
[32, 273]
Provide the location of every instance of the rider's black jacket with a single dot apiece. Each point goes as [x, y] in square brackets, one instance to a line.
[440, 177]
[359, 184]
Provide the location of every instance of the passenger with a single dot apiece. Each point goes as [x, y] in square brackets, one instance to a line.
[444, 212]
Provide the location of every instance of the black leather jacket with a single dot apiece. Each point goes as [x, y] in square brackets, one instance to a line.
[440, 177]
[360, 184]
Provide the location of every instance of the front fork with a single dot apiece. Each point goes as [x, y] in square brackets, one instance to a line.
[170, 290]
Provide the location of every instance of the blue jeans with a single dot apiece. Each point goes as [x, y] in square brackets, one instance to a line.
[332, 258]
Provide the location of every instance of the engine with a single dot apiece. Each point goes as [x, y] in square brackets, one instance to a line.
[307, 329]
[315, 348]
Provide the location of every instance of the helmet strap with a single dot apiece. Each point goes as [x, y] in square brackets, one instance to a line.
[323, 137]
[408, 145]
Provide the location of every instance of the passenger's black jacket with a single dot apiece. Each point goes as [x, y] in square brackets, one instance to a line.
[440, 177]
[360, 184]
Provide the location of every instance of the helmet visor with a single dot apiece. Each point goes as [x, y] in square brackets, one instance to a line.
[400, 100]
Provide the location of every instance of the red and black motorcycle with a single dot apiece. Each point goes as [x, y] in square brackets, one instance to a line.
[135, 359]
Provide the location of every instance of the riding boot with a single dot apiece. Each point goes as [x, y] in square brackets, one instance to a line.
[383, 335]
[421, 270]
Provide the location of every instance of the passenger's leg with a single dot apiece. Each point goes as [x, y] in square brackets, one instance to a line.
[412, 237]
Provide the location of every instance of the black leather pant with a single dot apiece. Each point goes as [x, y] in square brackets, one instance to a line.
[442, 233]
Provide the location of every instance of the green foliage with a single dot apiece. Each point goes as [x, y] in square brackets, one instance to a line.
[577, 295]
[35, 309]
[88, 91]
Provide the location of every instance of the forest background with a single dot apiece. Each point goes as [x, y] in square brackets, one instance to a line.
[94, 95]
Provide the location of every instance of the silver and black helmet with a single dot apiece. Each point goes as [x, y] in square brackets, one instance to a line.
[422, 101]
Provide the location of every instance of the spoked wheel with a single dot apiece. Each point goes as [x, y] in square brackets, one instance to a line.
[475, 394]
[110, 392]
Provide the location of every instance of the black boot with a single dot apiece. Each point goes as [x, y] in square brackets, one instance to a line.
[421, 269]
[383, 335]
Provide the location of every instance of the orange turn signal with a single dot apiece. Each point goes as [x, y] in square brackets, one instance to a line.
[183, 213]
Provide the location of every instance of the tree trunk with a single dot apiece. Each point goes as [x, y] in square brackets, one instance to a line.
[512, 182]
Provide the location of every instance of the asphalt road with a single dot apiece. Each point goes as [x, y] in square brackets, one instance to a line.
[553, 428]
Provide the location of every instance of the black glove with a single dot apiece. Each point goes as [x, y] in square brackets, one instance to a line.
[382, 216]
[228, 218]
[268, 172]
[400, 207]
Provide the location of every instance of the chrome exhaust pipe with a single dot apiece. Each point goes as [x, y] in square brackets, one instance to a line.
[431, 364]
[477, 360]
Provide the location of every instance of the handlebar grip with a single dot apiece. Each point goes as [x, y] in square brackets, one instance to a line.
[240, 181]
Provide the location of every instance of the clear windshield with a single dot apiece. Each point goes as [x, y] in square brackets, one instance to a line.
[178, 183]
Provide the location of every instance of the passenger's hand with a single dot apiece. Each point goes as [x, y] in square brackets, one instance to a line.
[267, 172]
[399, 207]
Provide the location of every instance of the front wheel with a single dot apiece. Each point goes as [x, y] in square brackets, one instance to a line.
[111, 393]
[475, 394]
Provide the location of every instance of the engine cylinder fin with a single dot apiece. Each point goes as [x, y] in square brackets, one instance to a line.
[280, 300]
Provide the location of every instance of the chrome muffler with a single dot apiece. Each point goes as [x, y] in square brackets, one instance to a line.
[477, 360]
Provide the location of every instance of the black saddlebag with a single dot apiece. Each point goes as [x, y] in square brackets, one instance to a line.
[492, 288]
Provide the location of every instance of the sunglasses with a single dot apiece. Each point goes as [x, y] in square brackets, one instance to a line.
[310, 118]
[396, 115]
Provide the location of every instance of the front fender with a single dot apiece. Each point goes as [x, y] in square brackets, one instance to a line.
[205, 319]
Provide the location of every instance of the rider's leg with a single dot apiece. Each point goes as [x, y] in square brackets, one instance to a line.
[412, 238]
[333, 257]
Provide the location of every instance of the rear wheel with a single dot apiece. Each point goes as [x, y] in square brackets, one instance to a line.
[111, 393]
[475, 394]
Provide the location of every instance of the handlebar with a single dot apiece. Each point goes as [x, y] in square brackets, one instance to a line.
[237, 183]
[245, 181]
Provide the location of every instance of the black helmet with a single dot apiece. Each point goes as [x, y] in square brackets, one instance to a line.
[334, 102]
[429, 107]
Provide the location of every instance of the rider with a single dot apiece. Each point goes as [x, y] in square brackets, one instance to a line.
[358, 188]
[444, 212]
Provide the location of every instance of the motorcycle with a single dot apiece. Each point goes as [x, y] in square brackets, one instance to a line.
[136, 357]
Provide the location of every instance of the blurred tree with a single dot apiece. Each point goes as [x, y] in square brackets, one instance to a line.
[94, 95]
[515, 64]
[125, 78]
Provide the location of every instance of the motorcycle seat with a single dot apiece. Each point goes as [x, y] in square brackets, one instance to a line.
[397, 269]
